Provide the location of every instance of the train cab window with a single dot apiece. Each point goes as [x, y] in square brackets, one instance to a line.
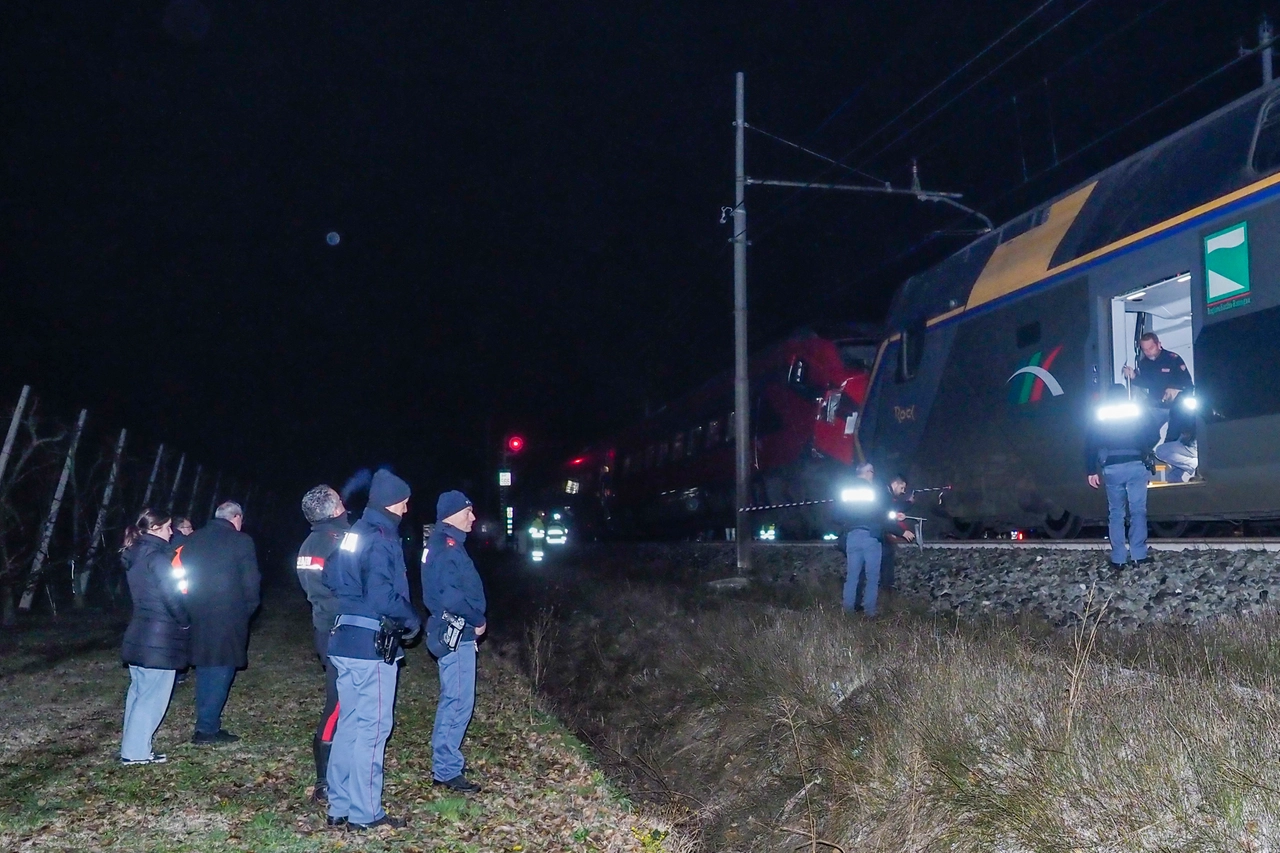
[1028, 334]
[858, 355]
[910, 351]
[695, 441]
[677, 446]
[1265, 156]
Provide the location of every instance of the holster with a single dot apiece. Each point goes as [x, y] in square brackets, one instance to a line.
[452, 631]
[386, 640]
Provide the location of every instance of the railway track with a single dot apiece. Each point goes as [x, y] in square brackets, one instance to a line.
[1236, 543]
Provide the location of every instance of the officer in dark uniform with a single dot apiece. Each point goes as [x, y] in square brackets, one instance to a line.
[322, 507]
[863, 509]
[1121, 434]
[367, 577]
[1160, 372]
[454, 594]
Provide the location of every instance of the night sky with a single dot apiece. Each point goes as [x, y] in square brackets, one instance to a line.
[528, 198]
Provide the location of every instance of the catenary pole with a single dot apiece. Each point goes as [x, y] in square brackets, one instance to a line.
[42, 553]
[81, 584]
[151, 481]
[741, 386]
[177, 479]
[195, 487]
[13, 431]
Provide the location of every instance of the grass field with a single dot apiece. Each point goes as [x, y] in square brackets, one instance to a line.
[785, 724]
[61, 787]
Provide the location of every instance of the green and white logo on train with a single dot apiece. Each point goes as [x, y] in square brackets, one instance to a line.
[1226, 268]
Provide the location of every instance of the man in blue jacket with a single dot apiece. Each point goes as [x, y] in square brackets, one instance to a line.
[454, 595]
[369, 581]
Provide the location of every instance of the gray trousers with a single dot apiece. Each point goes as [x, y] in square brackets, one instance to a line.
[366, 703]
[144, 707]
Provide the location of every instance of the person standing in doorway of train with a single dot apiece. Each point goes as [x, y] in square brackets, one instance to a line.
[1121, 434]
[899, 529]
[863, 506]
[1160, 372]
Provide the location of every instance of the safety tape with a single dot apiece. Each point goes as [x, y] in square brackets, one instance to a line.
[785, 506]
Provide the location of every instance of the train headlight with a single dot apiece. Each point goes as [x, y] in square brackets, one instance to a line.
[857, 495]
[1118, 411]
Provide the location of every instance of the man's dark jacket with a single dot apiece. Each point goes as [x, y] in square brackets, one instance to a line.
[222, 571]
[157, 636]
[1123, 439]
[368, 578]
[450, 583]
[871, 515]
[316, 550]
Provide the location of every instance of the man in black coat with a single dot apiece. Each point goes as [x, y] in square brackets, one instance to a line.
[222, 571]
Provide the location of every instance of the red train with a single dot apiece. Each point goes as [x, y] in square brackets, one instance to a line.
[672, 475]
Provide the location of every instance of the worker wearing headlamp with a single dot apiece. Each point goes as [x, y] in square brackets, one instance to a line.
[863, 507]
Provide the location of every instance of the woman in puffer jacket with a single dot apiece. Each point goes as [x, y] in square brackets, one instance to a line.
[156, 641]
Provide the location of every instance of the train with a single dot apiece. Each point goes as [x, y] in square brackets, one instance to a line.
[671, 475]
[995, 358]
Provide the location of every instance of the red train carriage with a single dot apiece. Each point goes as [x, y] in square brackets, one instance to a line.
[672, 475]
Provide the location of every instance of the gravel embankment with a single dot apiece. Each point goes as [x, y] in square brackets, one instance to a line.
[1181, 587]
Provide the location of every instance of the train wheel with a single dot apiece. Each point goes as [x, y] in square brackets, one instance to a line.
[1168, 529]
[1064, 526]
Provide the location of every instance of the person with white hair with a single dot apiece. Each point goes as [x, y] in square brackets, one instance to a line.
[223, 592]
[323, 508]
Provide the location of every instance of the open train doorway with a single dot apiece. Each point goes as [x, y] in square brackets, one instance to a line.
[1164, 310]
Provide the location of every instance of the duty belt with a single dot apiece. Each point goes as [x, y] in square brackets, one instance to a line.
[358, 622]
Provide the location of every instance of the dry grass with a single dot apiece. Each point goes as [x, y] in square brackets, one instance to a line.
[805, 729]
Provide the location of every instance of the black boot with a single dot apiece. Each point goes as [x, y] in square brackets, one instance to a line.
[320, 750]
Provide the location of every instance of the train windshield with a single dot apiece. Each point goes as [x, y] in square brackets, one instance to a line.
[857, 355]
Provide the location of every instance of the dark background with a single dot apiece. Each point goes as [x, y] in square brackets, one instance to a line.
[528, 197]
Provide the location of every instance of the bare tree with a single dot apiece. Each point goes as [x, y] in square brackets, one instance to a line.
[32, 470]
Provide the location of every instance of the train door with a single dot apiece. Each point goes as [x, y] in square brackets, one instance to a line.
[1164, 309]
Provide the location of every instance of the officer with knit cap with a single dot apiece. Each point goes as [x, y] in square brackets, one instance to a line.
[368, 578]
[454, 595]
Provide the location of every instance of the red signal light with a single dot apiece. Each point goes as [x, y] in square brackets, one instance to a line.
[579, 460]
[515, 444]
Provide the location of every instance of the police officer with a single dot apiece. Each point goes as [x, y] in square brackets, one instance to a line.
[1121, 434]
[452, 590]
[863, 507]
[368, 578]
[1160, 372]
[323, 509]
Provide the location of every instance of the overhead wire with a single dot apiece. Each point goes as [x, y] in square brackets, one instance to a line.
[966, 90]
[775, 213]
[1007, 33]
[1061, 69]
[1246, 54]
